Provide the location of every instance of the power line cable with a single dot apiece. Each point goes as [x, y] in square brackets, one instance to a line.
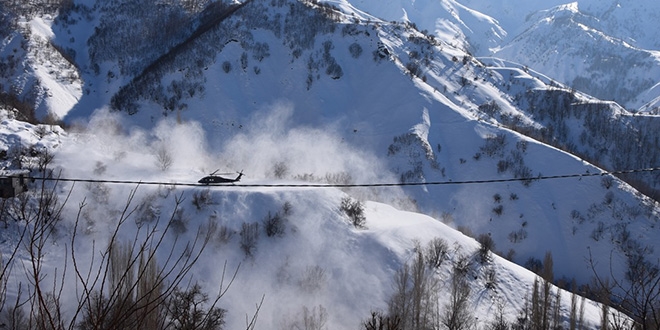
[333, 185]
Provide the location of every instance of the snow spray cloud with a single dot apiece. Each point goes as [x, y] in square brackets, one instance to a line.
[273, 146]
[270, 146]
[311, 267]
[171, 151]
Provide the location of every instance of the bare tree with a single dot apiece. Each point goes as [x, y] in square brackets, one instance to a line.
[572, 318]
[499, 322]
[556, 311]
[122, 286]
[164, 158]
[309, 319]
[415, 299]
[380, 321]
[186, 310]
[399, 303]
[128, 287]
[313, 279]
[546, 295]
[40, 212]
[637, 294]
[457, 314]
[249, 236]
[436, 252]
[486, 245]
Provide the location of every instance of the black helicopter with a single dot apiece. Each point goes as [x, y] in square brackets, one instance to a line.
[216, 179]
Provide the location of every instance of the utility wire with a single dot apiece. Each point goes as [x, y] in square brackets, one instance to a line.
[332, 185]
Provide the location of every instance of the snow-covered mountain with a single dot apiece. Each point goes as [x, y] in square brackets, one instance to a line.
[353, 92]
[608, 49]
[317, 267]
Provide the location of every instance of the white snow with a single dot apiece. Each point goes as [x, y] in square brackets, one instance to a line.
[358, 263]
[58, 78]
[271, 121]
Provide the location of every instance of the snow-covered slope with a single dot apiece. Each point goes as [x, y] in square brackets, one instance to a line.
[318, 261]
[36, 73]
[292, 92]
[19, 138]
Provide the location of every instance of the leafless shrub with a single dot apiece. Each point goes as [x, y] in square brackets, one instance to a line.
[226, 66]
[100, 168]
[498, 210]
[494, 145]
[47, 313]
[313, 279]
[201, 199]
[41, 131]
[309, 319]
[607, 181]
[119, 155]
[99, 192]
[179, 222]
[518, 236]
[44, 157]
[249, 236]
[274, 225]
[224, 234]
[510, 254]
[339, 178]
[355, 49]
[11, 316]
[164, 158]
[355, 211]
[462, 265]
[497, 198]
[283, 274]
[490, 276]
[164, 190]
[315, 319]
[534, 264]
[287, 209]
[447, 218]
[39, 213]
[436, 252]
[486, 245]
[280, 170]
[598, 232]
[147, 212]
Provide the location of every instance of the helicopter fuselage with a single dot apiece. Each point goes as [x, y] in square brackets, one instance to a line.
[216, 179]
